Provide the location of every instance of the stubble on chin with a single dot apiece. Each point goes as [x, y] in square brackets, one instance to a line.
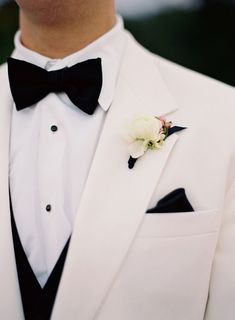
[45, 11]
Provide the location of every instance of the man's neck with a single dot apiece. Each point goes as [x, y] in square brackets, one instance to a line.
[58, 40]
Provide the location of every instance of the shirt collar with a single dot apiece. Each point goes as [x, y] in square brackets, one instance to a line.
[108, 47]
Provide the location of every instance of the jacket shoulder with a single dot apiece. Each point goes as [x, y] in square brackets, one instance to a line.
[3, 72]
[187, 75]
[178, 76]
[195, 90]
[3, 68]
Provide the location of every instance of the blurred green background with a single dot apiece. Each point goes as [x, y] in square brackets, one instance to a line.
[201, 39]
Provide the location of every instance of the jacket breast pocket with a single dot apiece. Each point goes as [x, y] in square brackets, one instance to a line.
[180, 224]
[167, 271]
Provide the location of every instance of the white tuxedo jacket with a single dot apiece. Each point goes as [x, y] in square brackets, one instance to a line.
[124, 264]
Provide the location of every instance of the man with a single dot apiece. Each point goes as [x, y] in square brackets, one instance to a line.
[85, 233]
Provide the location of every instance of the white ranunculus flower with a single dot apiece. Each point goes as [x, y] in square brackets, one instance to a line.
[143, 133]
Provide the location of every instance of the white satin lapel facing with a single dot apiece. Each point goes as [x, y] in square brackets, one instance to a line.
[115, 198]
[10, 300]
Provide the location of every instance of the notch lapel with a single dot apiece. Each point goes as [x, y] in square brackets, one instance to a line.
[10, 299]
[115, 198]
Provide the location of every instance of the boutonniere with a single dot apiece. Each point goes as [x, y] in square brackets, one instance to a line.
[147, 133]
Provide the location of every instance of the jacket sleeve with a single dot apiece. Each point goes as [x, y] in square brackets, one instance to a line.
[221, 299]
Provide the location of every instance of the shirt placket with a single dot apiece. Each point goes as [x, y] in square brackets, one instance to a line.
[51, 189]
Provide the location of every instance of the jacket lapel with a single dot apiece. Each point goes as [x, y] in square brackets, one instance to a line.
[10, 300]
[115, 198]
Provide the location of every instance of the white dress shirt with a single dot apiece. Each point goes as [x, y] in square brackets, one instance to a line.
[52, 147]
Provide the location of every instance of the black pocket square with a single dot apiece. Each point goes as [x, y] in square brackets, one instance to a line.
[175, 201]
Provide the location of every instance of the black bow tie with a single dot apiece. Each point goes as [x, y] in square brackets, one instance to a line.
[81, 82]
